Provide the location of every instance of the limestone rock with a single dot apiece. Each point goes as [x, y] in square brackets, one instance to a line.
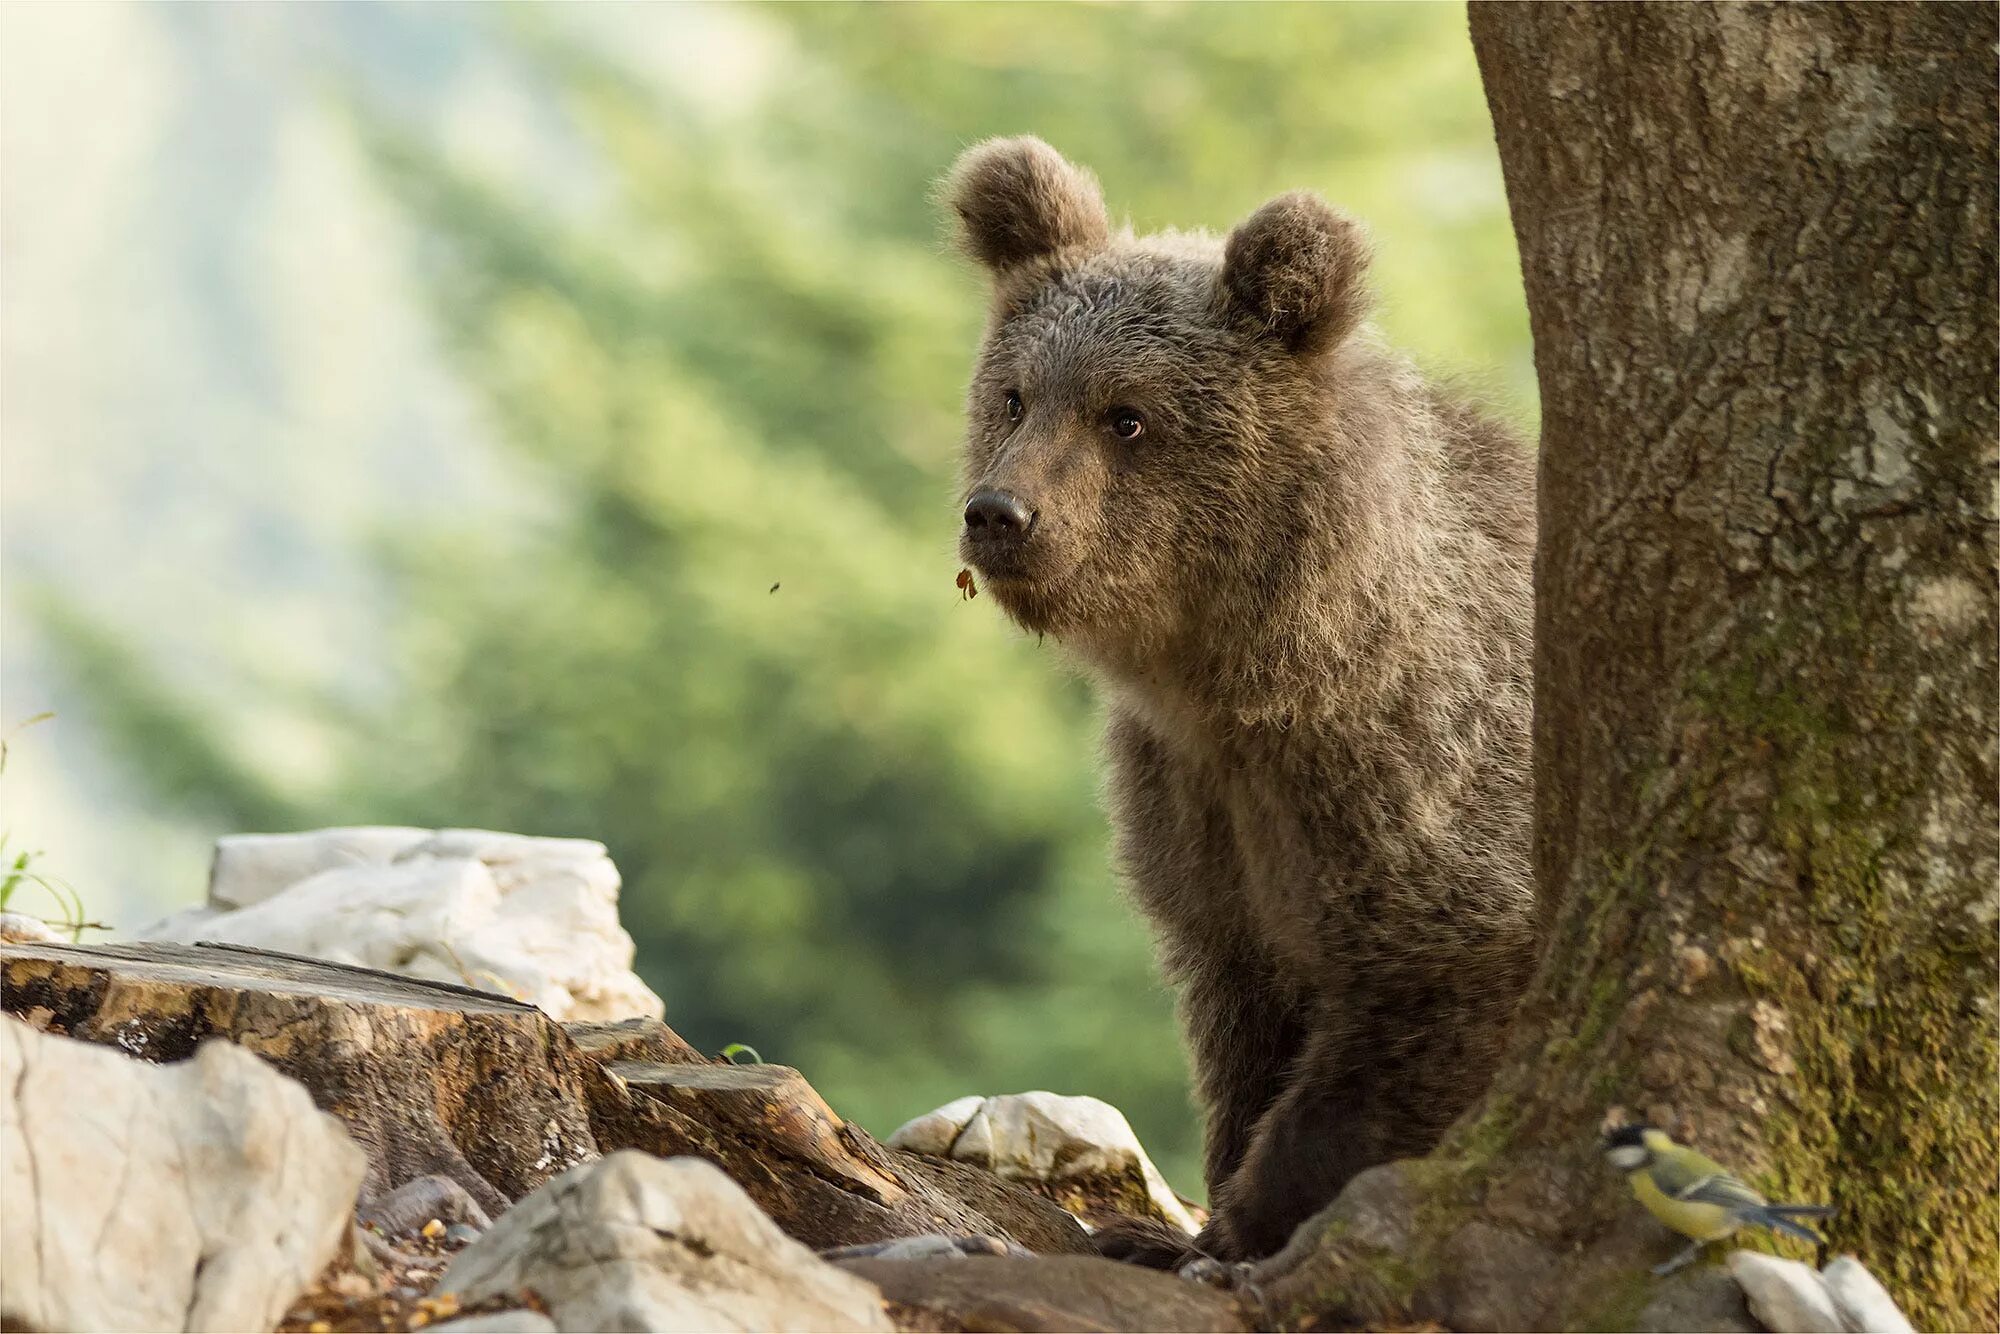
[1045, 1292]
[246, 869]
[531, 918]
[17, 927]
[1081, 1151]
[1863, 1303]
[635, 1242]
[935, 1132]
[1786, 1297]
[204, 1195]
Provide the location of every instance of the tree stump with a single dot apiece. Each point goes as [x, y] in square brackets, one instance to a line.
[432, 1078]
[633, 1040]
[826, 1182]
[428, 1077]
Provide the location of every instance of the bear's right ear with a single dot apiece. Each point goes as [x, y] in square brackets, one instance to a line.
[1018, 200]
[1297, 269]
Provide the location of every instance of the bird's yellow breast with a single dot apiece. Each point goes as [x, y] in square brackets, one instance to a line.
[1702, 1222]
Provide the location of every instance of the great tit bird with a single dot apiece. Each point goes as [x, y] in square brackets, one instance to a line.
[1695, 1195]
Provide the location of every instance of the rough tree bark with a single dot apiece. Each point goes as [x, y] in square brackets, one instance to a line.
[1759, 251]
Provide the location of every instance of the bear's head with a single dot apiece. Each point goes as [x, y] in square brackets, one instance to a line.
[1150, 417]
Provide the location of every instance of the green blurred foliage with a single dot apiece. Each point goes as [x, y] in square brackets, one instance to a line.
[856, 814]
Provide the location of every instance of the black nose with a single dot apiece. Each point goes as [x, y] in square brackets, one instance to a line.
[998, 514]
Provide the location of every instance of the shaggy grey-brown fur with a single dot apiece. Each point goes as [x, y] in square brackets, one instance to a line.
[1300, 577]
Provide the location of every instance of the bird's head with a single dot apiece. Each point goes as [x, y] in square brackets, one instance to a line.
[1629, 1148]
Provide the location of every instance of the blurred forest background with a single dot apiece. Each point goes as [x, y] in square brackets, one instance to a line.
[407, 412]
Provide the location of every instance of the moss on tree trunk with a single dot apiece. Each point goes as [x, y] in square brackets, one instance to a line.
[1758, 245]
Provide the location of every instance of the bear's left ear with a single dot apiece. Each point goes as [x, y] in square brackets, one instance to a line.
[1018, 200]
[1297, 268]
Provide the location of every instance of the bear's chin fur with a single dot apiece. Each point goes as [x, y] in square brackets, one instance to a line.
[1027, 602]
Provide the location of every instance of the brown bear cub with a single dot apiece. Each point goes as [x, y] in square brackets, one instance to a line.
[1300, 576]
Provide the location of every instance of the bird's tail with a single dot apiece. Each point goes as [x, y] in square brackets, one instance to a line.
[1783, 1218]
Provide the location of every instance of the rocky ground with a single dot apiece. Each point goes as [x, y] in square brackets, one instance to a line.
[394, 1079]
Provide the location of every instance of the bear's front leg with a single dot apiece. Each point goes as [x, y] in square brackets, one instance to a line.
[1360, 1095]
[1241, 1039]
[1244, 1031]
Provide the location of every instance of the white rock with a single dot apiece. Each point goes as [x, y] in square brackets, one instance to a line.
[249, 868]
[634, 1242]
[498, 850]
[934, 1133]
[1042, 1136]
[1864, 1304]
[18, 928]
[531, 918]
[1786, 1297]
[202, 1196]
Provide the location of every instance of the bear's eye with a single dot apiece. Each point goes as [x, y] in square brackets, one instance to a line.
[1013, 406]
[1126, 424]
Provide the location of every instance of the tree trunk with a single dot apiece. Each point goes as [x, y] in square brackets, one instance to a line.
[1758, 244]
